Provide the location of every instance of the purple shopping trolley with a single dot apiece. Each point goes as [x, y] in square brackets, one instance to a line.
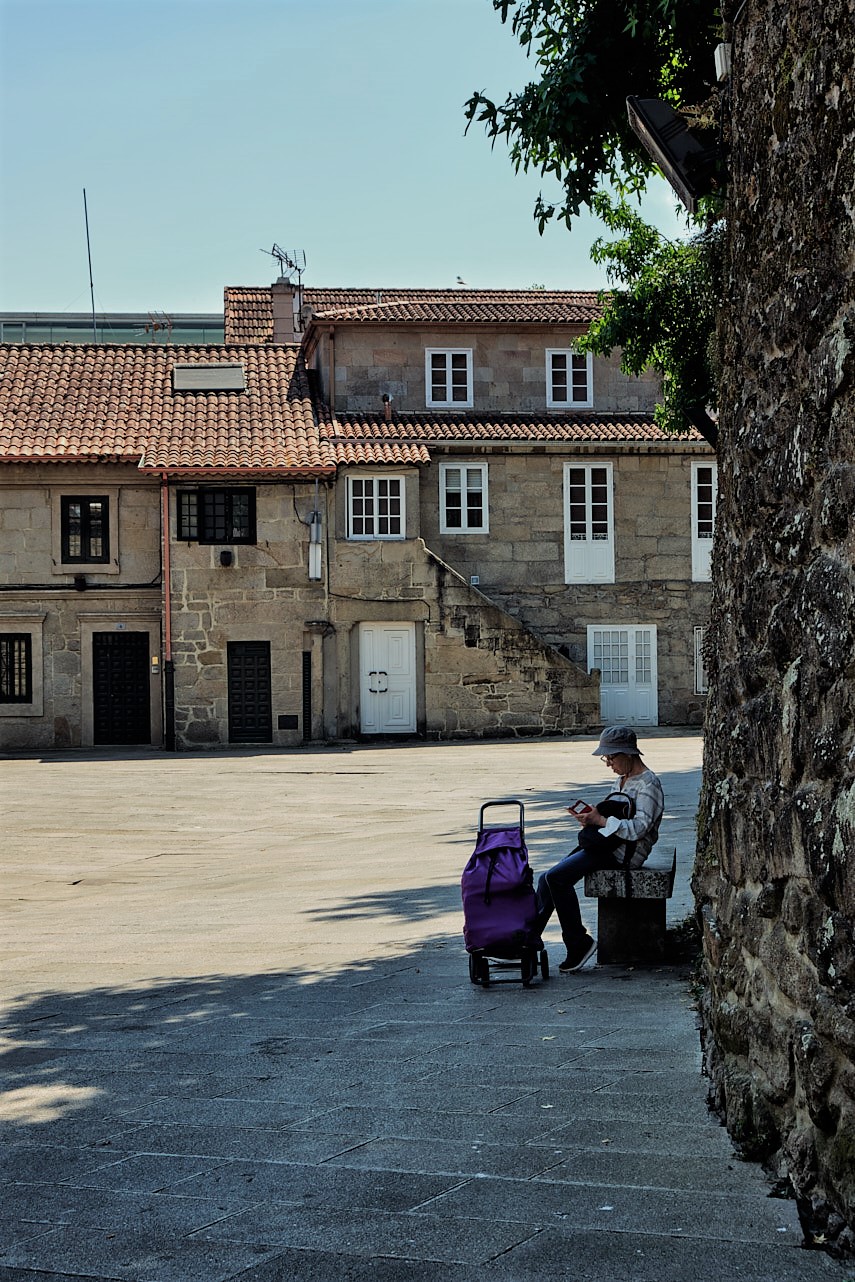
[499, 910]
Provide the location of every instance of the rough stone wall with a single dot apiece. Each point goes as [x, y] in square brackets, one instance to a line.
[264, 594]
[508, 366]
[775, 877]
[520, 563]
[484, 674]
[39, 597]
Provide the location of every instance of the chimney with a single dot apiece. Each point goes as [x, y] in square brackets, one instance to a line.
[287, 300]
[387, 407]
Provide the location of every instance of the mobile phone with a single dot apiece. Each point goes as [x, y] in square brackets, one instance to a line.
[580, 808]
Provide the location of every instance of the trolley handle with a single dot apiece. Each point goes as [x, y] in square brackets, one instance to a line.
[506, 801]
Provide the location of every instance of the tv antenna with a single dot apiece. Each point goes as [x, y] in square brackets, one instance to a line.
[289, 261]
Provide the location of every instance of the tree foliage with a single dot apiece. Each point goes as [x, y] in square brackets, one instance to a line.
[664, 315]
[590, 54]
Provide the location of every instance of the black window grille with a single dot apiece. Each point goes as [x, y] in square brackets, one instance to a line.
[85, 535]
[217, 515]
[16, 667]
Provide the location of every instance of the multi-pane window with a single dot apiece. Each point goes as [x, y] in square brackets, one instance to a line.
[375, 507]
[569, 384]
[85, 535]
[610, 653]
[16, 667]
[448, 377]
[704, 495]
[588, 523]
[217, 515]
[643, 656]
[463, 498]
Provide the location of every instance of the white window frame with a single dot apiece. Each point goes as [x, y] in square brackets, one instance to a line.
[703, 525]
[447, 403]
[464, 469]
[589, 555]
[378, 482]
[569, 404]
[701, 680]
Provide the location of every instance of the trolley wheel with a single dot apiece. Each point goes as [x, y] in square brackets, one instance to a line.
[544, 964]
[473, 969]
[528, 967]
[484, 971]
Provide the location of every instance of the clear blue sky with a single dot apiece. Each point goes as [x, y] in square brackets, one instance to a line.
[206, 130]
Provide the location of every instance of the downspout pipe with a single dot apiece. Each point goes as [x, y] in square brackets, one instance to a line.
[168, 666]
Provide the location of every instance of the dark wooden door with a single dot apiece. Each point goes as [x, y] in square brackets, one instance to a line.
[250, 706]
[120, 687]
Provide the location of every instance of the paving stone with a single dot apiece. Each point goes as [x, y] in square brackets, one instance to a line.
[450, 1157]
[132, 1257]
[233, 1142]
[290, 1077]
[266, 1182]
[413, 1236]
[372, 1122]
[633, 1209]
[118, 1210]
[48, 1163]
[586, 1256]
[321, 1266]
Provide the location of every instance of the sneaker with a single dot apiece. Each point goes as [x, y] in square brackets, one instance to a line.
[576, 957]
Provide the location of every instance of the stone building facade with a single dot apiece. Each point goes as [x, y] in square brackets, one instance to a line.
[201, 546]
[775, 875]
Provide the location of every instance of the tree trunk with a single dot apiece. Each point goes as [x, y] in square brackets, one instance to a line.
[775, 874]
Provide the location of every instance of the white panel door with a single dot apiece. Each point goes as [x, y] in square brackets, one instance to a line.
[626, 657]
[387, 678]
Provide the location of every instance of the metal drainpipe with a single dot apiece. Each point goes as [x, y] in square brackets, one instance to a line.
[168, 667]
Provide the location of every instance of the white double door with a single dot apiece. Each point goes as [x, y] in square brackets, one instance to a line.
[387, 678]
[627, 659]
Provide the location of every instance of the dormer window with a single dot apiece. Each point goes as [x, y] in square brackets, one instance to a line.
[448, 378]
[569, 384]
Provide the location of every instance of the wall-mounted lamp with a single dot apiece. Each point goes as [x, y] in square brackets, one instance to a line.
[688, 165]
[315, 546]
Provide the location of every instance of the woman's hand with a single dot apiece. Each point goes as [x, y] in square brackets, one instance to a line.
[593, 819]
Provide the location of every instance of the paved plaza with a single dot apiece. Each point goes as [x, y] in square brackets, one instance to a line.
[241, 1041]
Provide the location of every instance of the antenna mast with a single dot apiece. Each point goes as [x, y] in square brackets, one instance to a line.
[91, 282]
[294, 261]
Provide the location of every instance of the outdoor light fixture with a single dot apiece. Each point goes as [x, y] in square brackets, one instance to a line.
[688, 165]
[315, 546]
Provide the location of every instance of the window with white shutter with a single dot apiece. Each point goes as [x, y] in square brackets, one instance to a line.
[704, 496]
[463, 498]
[589, 549]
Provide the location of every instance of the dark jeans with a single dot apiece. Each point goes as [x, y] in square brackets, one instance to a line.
[555, 889]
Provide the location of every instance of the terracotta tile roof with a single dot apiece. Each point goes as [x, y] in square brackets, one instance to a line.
[378, 451]
[469, 307]
[426, 429]
[248, 315]
[249, 311]
[74, 402]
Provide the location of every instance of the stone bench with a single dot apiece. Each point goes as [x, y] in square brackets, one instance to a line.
[631, 909]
